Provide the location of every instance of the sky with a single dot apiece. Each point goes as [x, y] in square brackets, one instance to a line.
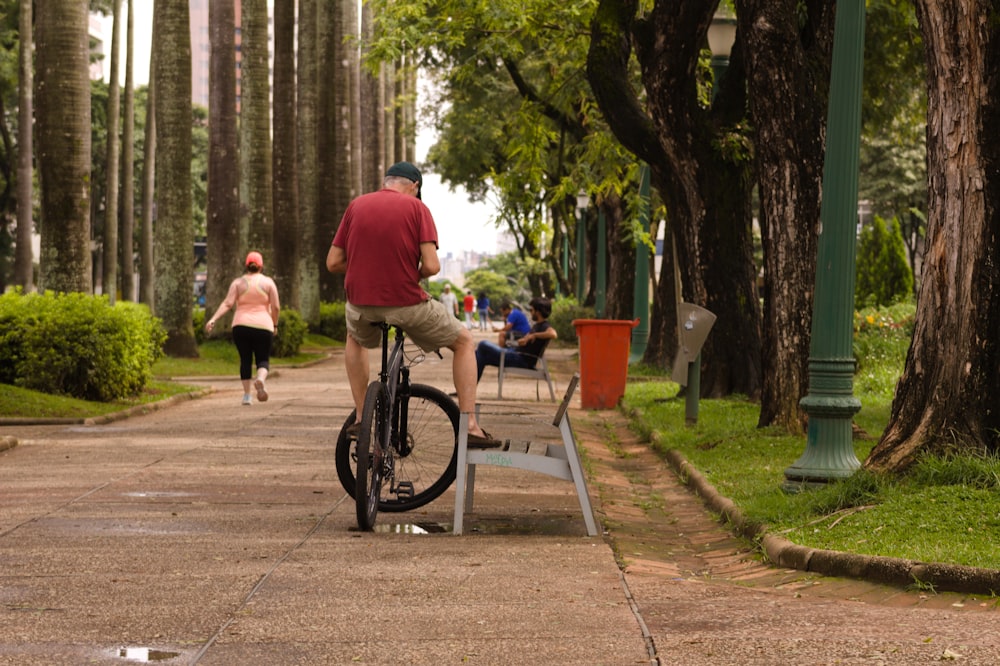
[461, 225]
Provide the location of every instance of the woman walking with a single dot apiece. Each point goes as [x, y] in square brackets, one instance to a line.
[255, 297]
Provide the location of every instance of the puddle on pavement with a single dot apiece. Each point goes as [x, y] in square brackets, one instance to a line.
[412, 528]
[525, 527]
[145, 654]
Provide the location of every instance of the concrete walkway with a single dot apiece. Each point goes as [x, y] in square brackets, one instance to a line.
[211, 533]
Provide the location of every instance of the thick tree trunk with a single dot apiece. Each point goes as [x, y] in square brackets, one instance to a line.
[223, 248]
[174, 230]
[709, 217]
[946, 397]
[621, 260]
[286, 225]
[256, 196]
[311, 242]
[24, 273]
[788, 68]
[64, 145]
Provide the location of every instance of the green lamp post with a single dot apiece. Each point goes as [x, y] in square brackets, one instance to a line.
[582, 201]
[640, 294]
[830, 403]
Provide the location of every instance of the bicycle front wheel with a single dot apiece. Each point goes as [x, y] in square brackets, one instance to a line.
[425, 461]
[372, 448]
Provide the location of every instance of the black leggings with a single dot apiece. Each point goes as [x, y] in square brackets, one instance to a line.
[252, 342]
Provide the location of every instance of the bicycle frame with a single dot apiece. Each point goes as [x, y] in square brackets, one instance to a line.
[396, 378]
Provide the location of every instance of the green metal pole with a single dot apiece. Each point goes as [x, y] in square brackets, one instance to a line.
[831, 404]
[565, 256]
[640, 300]
[601, 290]
[581, 258]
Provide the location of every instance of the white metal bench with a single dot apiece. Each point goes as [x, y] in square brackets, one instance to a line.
[560, 461]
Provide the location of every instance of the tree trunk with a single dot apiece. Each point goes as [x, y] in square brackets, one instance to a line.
[286, 224]
[256, 197]
[127, 236]
[223, 247]
[24, 272]
[621, 251]
[311, 242]
[946, 398]
[788, 67]
[64, 143]
[334, 140]
[372, 106]
[174, 223]
[109, 277]
[147, 262]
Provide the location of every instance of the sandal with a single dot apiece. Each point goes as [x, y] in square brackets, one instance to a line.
[484, 441]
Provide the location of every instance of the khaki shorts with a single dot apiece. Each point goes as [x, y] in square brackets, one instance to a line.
[429, 324]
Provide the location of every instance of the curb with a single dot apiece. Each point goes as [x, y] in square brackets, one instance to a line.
[875, 568]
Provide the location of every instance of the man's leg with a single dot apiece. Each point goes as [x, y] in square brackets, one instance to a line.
[463, 371]
[356, 364]
[487, 353]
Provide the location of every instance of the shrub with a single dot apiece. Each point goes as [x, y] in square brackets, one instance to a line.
[883, 275]
[564, 311]
[78, 345]
[291, 333]
[331, 321]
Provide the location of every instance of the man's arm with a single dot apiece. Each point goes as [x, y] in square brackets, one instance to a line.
[429, 262]
[336, 260]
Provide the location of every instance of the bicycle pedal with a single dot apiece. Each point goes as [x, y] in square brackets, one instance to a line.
[404, 489]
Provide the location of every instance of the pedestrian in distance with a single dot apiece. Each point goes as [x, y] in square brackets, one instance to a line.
[525, 352]
[483, 306]
[257, 307]
[469, 307]
[516, 324]
[449, 300]
[385, 245]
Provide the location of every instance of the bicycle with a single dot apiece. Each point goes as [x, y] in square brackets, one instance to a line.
[407, 443]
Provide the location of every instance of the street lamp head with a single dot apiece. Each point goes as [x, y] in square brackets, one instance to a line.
[722, 35]
[582, 200]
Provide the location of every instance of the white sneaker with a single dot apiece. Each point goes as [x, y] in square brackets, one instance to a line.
[261, 391]
[246, 399]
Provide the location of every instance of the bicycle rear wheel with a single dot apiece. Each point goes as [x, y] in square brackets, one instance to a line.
[372, 447]
[425, 464]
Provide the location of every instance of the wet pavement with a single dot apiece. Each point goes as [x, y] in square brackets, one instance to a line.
[211, 533]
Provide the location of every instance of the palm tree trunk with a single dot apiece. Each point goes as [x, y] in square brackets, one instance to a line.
[312, 251]
[255, 132]
[24, 273]
[286, 225]
[64, 143]
[127, 237]
[109, 279]
[174, 224]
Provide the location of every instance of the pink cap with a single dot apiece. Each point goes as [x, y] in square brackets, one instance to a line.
[255, 258]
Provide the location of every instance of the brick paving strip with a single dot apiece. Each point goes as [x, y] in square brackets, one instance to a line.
[657, 525]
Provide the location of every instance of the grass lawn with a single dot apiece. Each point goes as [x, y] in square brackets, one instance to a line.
[946, 509]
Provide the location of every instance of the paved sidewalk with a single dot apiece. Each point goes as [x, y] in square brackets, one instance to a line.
[212, 533]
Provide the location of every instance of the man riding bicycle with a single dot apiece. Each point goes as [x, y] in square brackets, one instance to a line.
[385, 244]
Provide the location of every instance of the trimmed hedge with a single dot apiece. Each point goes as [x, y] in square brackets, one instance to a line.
[331, 321]
[291, 334]
[78, 345]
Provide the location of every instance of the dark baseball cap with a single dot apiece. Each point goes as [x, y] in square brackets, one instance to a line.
[408, 171]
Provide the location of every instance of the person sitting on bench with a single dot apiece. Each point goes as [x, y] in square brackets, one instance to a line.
[525, 352]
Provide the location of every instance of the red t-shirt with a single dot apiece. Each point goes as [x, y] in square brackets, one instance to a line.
[381, 233]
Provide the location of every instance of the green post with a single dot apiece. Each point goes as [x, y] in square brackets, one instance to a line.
[831, 404]
[601, 289]
[565, 256]
[581, 257]
[640, 300]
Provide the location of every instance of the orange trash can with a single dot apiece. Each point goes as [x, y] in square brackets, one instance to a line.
[604, 350]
